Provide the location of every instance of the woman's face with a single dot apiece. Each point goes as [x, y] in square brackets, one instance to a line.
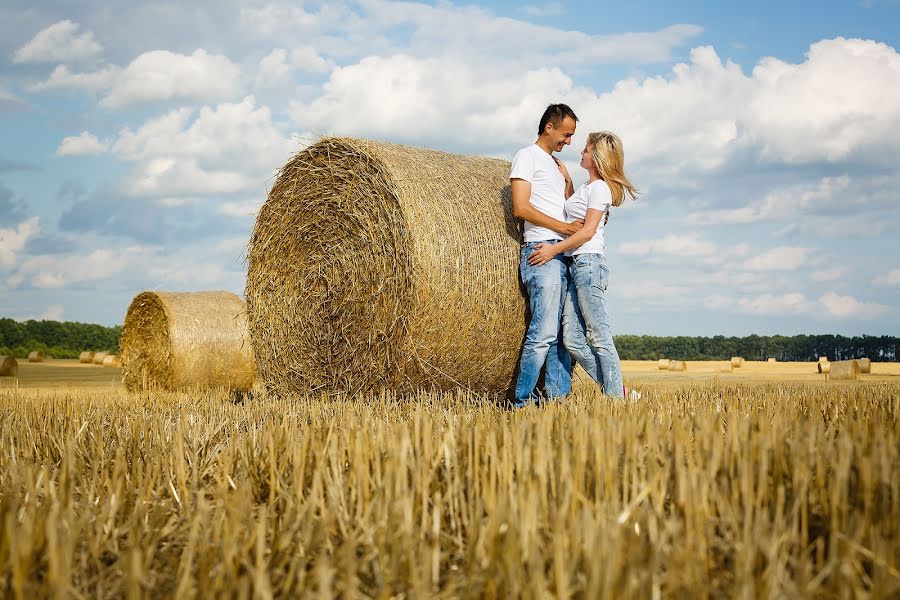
[586, 160]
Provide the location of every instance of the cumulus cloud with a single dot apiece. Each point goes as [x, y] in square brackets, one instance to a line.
[781, 258]
[889, 279]
[62, 78]
[84, 144]
[846, 307]
[59, 43]
[13, 240]
[830, 305]
[551, 9]
[689, 245]
[54, 272]
[162, 75]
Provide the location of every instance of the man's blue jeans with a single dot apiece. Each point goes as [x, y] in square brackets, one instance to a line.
[547, 286]
[586, 331]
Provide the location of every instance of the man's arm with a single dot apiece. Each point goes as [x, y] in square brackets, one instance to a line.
[522, 209]
[545, 252]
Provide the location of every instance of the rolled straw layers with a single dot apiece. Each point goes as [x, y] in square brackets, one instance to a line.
[183, 340]
[86, 357]
[9, 366]
[843, 369]
[36, 356]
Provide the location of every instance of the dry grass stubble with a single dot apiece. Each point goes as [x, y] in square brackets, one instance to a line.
[721, 490]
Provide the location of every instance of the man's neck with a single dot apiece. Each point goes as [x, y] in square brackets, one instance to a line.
[544, 144]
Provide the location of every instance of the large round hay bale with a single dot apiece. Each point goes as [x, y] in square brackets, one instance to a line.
[737, 361]
[677, 365]
[844, 369]
[99, 357]
[663, 364]
[86, 357]
[824, 367]
[184, 340]
[865, 365]
[112, 360]
[9, 366]
[36, 356]
[378, 266]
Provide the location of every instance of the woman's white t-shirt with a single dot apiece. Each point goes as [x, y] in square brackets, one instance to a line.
[596, 195]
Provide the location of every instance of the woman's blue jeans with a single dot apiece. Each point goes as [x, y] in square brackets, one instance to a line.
[547, 286]
[586, 331]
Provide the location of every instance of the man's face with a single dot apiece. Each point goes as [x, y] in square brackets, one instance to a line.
[561, 136]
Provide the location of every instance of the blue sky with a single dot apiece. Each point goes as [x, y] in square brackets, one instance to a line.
[138, 141]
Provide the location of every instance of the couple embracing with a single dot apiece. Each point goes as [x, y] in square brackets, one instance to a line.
[562, 263]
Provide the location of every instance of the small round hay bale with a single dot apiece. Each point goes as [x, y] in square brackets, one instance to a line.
[9, 366]
[824, 367]
[663, 364]
[376, 266]
[773, 360]
[36, 356]
[844, 370]
[737, 362]
[99, 357]
[186, 340]
[865, 365]
[86, 357]
[677, 365]
[726, 366]
[112, 360]
[823, 359]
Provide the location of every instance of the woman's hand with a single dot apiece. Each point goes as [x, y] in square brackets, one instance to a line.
[543, 253]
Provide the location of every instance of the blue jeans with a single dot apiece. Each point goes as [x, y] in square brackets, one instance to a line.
[547, 286]
[586, 331]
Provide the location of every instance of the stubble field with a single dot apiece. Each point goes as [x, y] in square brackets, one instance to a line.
[768, 481]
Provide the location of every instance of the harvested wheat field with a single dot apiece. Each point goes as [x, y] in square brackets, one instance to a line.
[701, 489]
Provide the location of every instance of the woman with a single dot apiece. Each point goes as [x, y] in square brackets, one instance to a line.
[586, 331]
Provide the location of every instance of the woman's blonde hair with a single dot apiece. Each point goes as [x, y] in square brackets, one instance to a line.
[609, 158]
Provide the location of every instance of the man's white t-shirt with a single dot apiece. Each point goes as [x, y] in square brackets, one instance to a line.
[548, 189]
[594, 194]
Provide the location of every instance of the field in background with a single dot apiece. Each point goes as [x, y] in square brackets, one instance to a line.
[767, 481]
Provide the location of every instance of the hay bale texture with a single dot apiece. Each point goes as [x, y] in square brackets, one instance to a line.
[112, 360]
[663, 364]
[186, 340]
[377, 266]
[824, 367]
[99, 357]
[865, 365]
[86, 357]
[36, 356]
[737, 361]
[677, 365]
[9, 366]
[844, 370]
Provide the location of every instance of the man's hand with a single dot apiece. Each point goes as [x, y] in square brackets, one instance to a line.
[543, 253]
[572, 227]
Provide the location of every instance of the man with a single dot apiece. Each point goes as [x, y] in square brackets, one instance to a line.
[540, 185]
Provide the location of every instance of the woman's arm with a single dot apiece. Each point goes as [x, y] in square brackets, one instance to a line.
[544, 253]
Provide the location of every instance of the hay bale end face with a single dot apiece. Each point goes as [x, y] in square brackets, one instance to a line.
[86, 357]
[773, 360]
[726, 366]
[36, 356]
[186, 340]
[376, 266]
[737, 361]
[9, 366]
[844, 370]
[112, 360]
[663, 364]
[865, 365]
[677, 365]
[823, 359]
[99, 357]
[824, 367]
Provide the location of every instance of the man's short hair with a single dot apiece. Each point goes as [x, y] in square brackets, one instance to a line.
[556, 114]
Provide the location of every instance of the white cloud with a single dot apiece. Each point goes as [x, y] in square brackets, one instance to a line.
[61, 78]
[59, 43]
[845, 307]
[689, 245]
[84, 144]
[781, 258]
[551, 9]
[54, 272]
[273, 69]
[13, 240]
[830, 274]
[162, 75]
[889, 279]
[248, 208]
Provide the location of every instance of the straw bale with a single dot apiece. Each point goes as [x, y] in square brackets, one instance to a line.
[677, 365]
[772, 360]
[824, 367]
[663, 364]
[86, 357]
[865, 365]
[737, 361]
[99, 357]
[9, 366]
[36, 356]
[376, 266]
[844, 369]
[726, 366]
[185, 340]
[823, 359]
[112, 360]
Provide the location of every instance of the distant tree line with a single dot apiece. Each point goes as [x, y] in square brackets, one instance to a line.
[60, 340]
[758, 347]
